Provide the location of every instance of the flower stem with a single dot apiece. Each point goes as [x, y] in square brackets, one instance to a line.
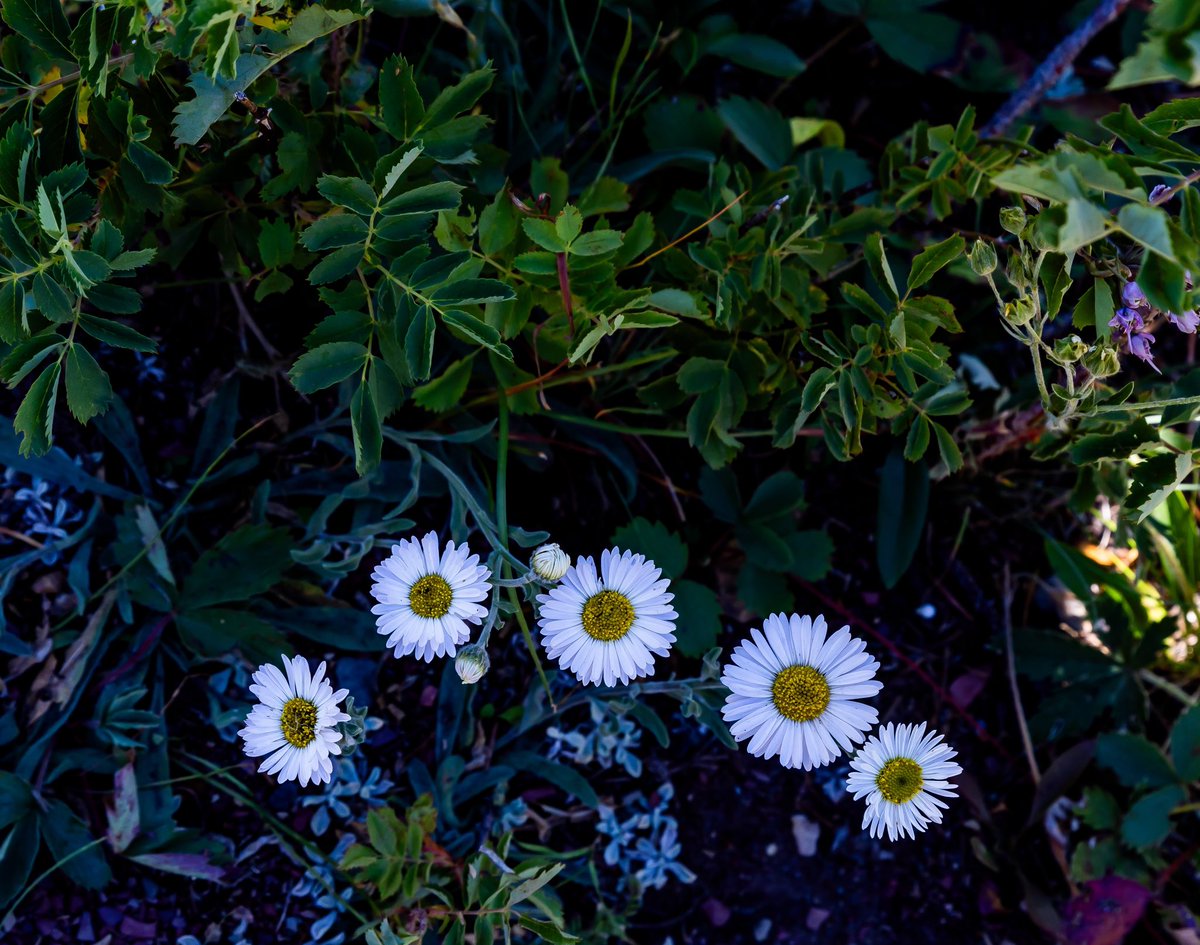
[502, 531]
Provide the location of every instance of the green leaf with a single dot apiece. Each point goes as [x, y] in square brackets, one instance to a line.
[16, 799]
[877, 260]
[327, 365]
[458, 98]
[1085, 224]
[1148, 226]
[35, 417]
[335, 230]
[215, 632]
[41, 22]
[66, 834]
[779, 496]
[399, 99]
[699, 622]
[354, 193]
[476, 330]
[561, 776]
[214, 96]
[934, 258]
[544, 233]
[761, 129]
[657, 542]
[903, 501]
[761, 53]
[1148, 822]
[243, 563]
[418, 343]
[428, 198]
[337, 265]
[17, 854]
[445, 391]
[1185, 745]
[276, 243]
[550, 932]
[1136, 762]
[13, 325]
[88, 390]
[51, 299]
[568, 224]
[473, 292]
[116, 334]
[596, 243]
[368, 434]
[156, 169]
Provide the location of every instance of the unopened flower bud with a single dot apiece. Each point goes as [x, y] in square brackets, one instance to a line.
[1102, 360]
[1070, 349]
[983, 258]
[1012, 219]
[550, 563]
[1020, 312]
[472, 663]
[354, 731]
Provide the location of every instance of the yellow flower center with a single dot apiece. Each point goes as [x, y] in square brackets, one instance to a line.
[800, 693]
[607, 616]
[298, 722]
[431, 597]
[900, 780]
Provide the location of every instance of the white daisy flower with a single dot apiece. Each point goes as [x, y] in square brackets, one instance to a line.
[608, 627]
[427, 596]
[792, 692]
[295, 722]
[900, 771]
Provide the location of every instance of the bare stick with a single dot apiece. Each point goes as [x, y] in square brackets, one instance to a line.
[1049, 72]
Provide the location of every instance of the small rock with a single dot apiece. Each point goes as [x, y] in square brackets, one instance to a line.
[772, 849]
[762, 930]
[137, 929]
[816, 918]
[806, 832]
[717, 913]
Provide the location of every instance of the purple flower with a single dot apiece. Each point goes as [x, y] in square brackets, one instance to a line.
[1132, 295]
[1187, 322]
[1158, 191]
[1139, 347]
[1127, 320]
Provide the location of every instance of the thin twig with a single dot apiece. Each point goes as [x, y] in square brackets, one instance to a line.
[1022, 724]
[247, 320]
[696, 229]
[1049, 72]
[1172, 191]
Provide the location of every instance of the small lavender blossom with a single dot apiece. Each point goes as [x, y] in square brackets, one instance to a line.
[1132, 295]
[1139, 347]
[1187, 322]
[1157, 191]
[1127, 320]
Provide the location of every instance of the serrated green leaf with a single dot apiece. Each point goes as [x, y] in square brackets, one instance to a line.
[35, 417]
[88, 390]
[327, 365]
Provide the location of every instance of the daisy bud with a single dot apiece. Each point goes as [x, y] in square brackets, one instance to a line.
[472, 663]
[353, 730]
[983, 258]
[550, 563]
